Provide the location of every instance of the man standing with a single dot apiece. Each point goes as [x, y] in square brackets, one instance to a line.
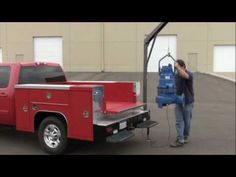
[183, 113]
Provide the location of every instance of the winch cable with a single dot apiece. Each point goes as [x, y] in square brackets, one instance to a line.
[154, 142]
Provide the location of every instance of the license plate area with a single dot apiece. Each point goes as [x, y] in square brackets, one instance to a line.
[122, 125]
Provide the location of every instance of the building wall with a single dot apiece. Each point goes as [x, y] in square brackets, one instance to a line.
[114, 47]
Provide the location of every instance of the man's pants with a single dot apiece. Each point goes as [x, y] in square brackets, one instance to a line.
[183, 116]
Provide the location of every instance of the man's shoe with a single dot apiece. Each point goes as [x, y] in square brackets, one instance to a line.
[186, 140]
[176, 143]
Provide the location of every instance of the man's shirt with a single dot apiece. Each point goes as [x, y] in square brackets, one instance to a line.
[185, 86]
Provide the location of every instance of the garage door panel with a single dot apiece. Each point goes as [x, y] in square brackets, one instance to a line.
[160, 49]
[48, 49]
[224, 59]
[0, 55]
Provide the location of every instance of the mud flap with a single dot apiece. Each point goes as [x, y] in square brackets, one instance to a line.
[120, 137]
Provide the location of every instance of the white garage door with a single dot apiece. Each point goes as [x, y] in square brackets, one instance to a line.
[48, 49]
[160, 49]
[224, 59]
[0, 55]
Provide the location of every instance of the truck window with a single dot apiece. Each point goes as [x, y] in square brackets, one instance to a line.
[4, 76]
[41, 75]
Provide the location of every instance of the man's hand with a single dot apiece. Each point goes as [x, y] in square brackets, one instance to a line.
[181, 71]
[176, 65]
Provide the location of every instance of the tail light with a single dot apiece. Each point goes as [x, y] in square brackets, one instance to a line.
[137, 88]
[98, 101]
[109, 129]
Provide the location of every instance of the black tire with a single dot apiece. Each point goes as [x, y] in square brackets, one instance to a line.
[61, 147]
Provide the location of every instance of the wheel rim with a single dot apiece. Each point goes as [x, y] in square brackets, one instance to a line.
[52, 136]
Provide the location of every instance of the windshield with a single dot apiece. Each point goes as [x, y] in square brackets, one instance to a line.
[41, 75]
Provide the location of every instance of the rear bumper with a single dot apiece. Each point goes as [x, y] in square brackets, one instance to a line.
[126, 135]
[110, 130]
[120, 137]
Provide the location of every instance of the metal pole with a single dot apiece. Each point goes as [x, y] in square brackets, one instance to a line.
[147, 40]
[145, 65]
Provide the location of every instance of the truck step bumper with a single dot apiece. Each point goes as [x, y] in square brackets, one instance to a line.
[147, 124]
[120, 137]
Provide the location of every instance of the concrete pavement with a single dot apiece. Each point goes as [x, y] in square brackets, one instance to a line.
[213, 123]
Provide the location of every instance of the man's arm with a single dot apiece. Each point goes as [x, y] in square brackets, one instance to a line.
[181, 71]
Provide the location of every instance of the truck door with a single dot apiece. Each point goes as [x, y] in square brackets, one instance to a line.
[4, 93]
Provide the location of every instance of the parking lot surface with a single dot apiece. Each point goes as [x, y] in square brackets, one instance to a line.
[213, 123]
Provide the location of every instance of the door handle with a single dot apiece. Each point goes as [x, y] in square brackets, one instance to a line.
[3, 94]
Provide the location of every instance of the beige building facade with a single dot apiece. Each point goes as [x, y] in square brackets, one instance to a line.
[116, 47]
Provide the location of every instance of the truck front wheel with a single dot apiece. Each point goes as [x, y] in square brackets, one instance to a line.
[52, 135]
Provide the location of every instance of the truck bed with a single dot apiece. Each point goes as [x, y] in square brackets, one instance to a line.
[109, 120]
[118, 96]
[118, 107]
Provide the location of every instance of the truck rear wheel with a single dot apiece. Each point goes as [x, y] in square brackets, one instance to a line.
[52, 135]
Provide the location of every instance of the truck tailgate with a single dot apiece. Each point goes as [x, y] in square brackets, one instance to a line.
[109, 120]
[118, 107]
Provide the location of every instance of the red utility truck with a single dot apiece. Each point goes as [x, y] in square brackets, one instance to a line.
[36, 97]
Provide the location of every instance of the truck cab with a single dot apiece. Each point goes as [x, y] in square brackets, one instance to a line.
[37, 97]
[23, 73]
[5, 94]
